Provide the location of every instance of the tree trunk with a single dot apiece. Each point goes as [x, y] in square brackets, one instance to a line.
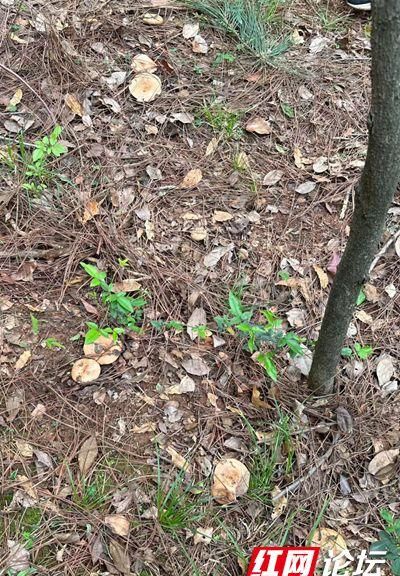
[374, 194]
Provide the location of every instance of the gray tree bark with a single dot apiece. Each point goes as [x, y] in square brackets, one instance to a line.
[374, 194]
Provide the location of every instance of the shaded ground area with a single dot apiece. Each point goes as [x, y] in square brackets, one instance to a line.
[115, 476]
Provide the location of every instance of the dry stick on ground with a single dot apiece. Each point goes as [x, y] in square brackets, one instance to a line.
[374, 194]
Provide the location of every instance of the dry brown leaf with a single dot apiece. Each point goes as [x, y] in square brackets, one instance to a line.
[222, 216]
[39, 411]
[296, 283]
[330, 542]
[203, 535]
[147, 427]
[85, 370]
[14, 403]
[211, 147]
[382, 465]
[259, 125]
[118, 523]
[197, 318]
[105, 350]
[322, 276]
[145, 87]
[344, 420]
[16, 99]
[24, 448]
[96, 549]
[210, 260]
[120, 557]
[230, 481]
[371, 293]
[298, 158]
[127, 285]
[178, 460]
[73, 104]
[272, 177]
[279, 502]
[185, 386]
[143, 63]
[192, 178]
[364, 317]
[23, 360]
[190, 30]
[296, 317]
[198, 234]
[384, 370]
[257, 401]
[397, 246]
[306, 187]
[199, 45]
[92, 209]
[152, 19]
[17, 559]
[149, 228]
[195, 366]
[87, 454]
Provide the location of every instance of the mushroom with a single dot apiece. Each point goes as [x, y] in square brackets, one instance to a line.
[105, 350]
[145, 87]
[85, 370]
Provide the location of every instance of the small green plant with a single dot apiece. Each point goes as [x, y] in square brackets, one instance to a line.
[123, 262]
[125, 310]
[203, 332]
[93, 493]
[223, 121]
[37, 173]
[257, 336]
[331, 21]
[177, 507]
[94, 332]
[389, 541]
[288, 110]
[363, 352]
[283, 275]
[52, 344]
[223, 57]
[256, 25]
[361, 298]
[34, 325]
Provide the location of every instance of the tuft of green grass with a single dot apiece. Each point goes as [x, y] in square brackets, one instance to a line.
[254, 23]
[92, 493]
[222, 120]
[332, 22]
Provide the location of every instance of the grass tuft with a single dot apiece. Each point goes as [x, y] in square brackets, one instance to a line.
[254, 23]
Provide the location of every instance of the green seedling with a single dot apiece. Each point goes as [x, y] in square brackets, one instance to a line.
[202, 332]
[123, 309]
[389, 541]
[223, 57]
[161, 325]
[283, 275]
[361, 298]
[94, 332]
[363, 352]
[223, 121]
[52, 344]
[34, 325]
[288, 110]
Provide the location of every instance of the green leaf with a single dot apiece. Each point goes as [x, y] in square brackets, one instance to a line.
[124, 301]
[58, 149]
[283, 275]
[75, 337]
[158, 324]
[293, 342]
[346, 352]
[265, 359]
[363, 352]
[53, 343]
[287, 109]
[35, 325]
[92, 335]
[361, 298]
[93, 271]
[56, 133]
[37, 154]
[235, 305]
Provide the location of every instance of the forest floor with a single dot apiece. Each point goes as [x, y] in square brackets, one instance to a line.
[180, 196]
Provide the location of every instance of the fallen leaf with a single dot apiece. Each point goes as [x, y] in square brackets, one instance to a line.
[195, 366]
[305, 93]
[87, 454]
[147, 427]
[384, 370]
[391, 290]
[127, 285]
[149, 228]
[177, 460]
[190, 30]
[199, 45]
[364, 317]
[303, 362]
[39, 411]
[120, 557]
[318, 44]
[183, 117]
[152, 19]
[197, 318]
[230, 481]
[298, 158]
[143, 63]
[397, 246]
[16, 99]
[14, 403]
[320, 165]
[279, 501]
[43, 459]
[371, 293]
[212, 259]
[242, 161]
[307, 187]
[257, 401]
[96, 549]
[154, 173]
[25, 272]
[218, 341]
[213, 400]
[330, 542]
[296, 317]
[272, 177]
[221, 216]
[344, 420]
[112, 104]
[203, 535]
[258, 125]
[92, 209]
[24, 448]
[73, 104]
[18, 557]
[382, 465]
[198, 234]
[23, 360]
[322, 276]
[118, 524]
[85, 370]
[186, 385]
[192, 178]
[145, 87]
[298, 284]
[211, 146]
[334, 263]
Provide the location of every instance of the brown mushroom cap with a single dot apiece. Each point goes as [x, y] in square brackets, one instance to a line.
[85, 370]
[105, 350]
[145, 87]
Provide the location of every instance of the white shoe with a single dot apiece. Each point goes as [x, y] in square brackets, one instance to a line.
[359, 4]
